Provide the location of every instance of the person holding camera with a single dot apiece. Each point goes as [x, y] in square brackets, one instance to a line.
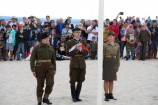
[92, 31]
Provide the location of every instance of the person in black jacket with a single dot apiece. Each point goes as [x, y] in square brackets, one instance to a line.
[21, 40]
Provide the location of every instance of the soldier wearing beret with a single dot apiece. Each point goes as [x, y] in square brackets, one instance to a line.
[111, 63]
[77, 64]
[43, 67]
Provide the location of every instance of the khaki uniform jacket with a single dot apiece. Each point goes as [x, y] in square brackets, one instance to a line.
[42, 52]
[110, 50]
[76, 61]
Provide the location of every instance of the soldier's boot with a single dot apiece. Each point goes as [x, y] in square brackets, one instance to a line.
[78, 90]
[73, 94]
[39, 103]
[155, 54]
[39, 99]
[46, 100]
[111, 96]
[106, 97]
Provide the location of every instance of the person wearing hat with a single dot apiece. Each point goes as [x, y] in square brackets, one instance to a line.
[111, 63]
[14, 21]
[43, 67]
[77, 63]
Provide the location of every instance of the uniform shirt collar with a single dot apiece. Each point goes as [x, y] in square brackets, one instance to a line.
[110, 44]
[44, 44]
[77, 40]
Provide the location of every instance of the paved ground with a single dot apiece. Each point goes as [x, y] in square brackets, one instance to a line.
[137, 84]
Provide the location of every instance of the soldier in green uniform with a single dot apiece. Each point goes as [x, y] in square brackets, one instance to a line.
[111, 63]
[77, 64]
[93, 48]
[43, 67]
[143, 39]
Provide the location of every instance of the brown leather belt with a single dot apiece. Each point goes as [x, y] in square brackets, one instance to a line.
[78, 55]
[110, 56]
[49, 60]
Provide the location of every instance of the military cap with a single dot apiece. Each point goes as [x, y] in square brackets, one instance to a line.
[44, 35]
[111, 33]
[76, 30]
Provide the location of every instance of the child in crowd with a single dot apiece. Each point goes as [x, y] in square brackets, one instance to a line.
[93, 48]
[130, 46]
[61, 55]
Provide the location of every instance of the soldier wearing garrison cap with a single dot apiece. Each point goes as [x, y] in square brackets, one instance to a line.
[111, 63]
[77, 63]
[43, 67]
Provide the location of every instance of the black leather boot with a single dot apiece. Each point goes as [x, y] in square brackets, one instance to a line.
[39, 103]
[106, 97]
[73, 93]
[111, 96]
[47, 101]
[78, 90]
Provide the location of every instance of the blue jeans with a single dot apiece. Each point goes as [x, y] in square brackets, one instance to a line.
[33, 42]
[122, 46]
[154, 45]
[21, 49]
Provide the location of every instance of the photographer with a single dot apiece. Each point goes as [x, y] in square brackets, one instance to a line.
[32, 22]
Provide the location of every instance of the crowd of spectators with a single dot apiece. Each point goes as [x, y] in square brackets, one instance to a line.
[138, 36]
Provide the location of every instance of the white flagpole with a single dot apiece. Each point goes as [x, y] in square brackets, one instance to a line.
[100, 53]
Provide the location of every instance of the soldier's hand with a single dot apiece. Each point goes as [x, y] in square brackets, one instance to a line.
[54, 72]
[34, 74]
[79, 47]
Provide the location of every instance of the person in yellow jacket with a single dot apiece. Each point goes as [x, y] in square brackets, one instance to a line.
[105, 33]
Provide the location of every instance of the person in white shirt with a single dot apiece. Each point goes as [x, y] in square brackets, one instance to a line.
[13, 21]
[92, 31]
[143, 21]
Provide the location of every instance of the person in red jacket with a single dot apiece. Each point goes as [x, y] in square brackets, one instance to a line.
[115, 28]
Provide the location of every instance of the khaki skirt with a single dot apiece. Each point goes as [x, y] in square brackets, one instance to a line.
[109, 69]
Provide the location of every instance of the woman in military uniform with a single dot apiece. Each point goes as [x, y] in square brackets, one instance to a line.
[111, 63]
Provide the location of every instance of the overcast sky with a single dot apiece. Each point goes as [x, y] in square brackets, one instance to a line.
[87, 9]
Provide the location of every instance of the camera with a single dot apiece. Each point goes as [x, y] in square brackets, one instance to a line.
[94, 26]
[121, 13]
